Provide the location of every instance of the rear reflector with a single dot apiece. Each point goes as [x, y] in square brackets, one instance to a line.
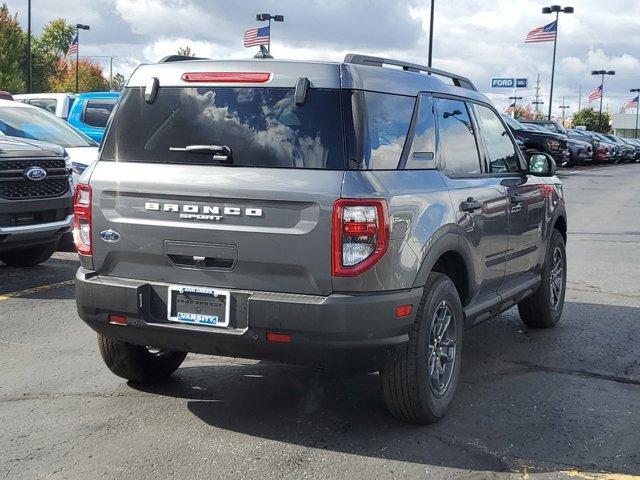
[118, 319]
[278, 337]
[403, 310]
[227, 77]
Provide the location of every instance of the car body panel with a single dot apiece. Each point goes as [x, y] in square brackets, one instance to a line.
[77, 114]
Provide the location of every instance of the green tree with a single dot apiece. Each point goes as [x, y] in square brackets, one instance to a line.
[56, 37]
[118, 82]
[12, 43]
[90, 75]
[592, 120]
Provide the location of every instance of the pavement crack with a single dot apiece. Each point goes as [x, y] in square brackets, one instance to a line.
[577, 372]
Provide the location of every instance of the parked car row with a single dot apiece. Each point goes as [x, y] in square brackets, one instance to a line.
[570, 147]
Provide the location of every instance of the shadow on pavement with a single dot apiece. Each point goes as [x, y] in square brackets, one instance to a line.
[546, 400]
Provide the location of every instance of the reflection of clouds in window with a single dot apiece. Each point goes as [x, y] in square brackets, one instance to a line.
[277, 141]
[457, 139]
[501, 151]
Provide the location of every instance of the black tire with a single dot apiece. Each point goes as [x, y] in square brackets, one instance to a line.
[137, 363]
[408, 388]
[539, 310]
[29, 257]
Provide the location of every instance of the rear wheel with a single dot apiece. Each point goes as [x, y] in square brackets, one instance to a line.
[28, 257]
[138, 363]
[544, 308]
[420, 385]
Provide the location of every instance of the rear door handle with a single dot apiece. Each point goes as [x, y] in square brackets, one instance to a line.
[470, 205]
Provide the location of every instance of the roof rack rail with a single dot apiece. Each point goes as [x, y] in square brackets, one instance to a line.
[358, 59]
[180, 58]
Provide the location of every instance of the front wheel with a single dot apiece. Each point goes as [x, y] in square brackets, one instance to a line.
[419, 386]
[138, 363]
[543, 309]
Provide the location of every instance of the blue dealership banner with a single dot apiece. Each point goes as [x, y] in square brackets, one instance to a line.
[500, 82]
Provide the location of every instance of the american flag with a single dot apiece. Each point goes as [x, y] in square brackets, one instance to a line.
[595, 94]
[73, 48]
[510, 108]
[542, 34]
[633, 103]
[256, 36]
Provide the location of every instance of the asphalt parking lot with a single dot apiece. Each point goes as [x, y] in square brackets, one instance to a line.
[561, 403]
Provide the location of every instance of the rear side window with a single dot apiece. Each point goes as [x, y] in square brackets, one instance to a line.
[500, 149]
[262, 127]
[377, 125]
[457, 138]
[48, 104]
[96, 112]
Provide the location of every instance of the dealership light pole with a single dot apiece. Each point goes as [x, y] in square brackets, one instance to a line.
[79, 26]
[637, 92]
[602, 73]
[264, 17]
[431, 34]
[548, 10]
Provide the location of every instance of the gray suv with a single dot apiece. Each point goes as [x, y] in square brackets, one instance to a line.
[35, 200]
[361, 214]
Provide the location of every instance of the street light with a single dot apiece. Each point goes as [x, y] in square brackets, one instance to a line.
[636, 90]
[602, 73]
[267, 17]
[79, 26]
[550, 10]
[29, 68]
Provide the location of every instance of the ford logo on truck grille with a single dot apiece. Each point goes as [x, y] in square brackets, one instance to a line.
[35, 173]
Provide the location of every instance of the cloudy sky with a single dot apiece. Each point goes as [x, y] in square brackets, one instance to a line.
[476, 38]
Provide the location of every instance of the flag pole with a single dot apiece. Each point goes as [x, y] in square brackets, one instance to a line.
[553, 66]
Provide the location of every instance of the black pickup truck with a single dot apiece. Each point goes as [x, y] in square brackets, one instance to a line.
[36, 207]
[554, 144]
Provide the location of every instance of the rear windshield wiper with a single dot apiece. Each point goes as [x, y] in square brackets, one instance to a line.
[221, 153]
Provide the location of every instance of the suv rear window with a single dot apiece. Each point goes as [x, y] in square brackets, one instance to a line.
[263, 127]
[96, 113]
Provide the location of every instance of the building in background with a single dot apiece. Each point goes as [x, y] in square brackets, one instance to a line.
[624, 124]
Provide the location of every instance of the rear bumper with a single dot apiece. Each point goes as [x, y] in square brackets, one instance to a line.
[339, 330]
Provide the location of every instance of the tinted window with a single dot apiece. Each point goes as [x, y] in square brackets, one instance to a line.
[423, 146]
[263, 127]
[96, 113]
[457, 139]
[377, 126]
[48, 104]
[36, 124]
[500, 148]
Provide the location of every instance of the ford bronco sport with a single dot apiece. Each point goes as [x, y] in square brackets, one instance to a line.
[360, 214]
[35, 200]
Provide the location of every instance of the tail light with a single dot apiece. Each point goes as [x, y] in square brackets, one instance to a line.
[360, 235]
[82, 219]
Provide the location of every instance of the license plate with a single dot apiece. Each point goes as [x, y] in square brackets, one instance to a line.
[198, 306]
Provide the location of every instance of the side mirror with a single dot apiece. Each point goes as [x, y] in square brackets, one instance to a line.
[541, 165]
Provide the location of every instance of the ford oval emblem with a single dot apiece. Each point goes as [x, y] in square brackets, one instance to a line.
[110, 236]
[35, 173]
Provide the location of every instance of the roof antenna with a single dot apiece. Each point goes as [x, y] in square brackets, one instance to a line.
[263, 53]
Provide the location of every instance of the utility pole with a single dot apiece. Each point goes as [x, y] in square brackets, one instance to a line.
[579, 97]
[110, 57]
[515, 99]
[537, 102]
[563, 107]
[430, 61]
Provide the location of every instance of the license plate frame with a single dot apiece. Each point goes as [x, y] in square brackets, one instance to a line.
[191, 318]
